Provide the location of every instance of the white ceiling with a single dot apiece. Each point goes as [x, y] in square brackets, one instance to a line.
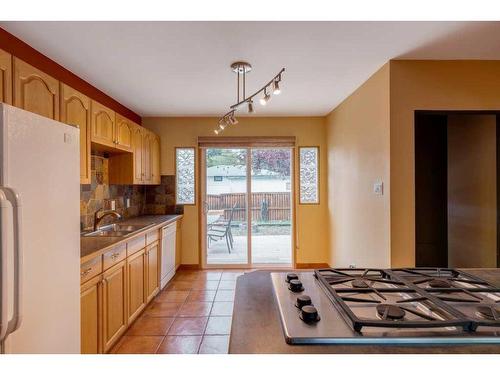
[182, 68]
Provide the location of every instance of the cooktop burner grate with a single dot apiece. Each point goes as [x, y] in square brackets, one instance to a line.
[411, 298]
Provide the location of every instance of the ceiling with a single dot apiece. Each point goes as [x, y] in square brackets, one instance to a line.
[182, 68]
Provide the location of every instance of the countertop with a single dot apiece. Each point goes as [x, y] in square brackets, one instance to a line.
[91, 247]
[256, 326]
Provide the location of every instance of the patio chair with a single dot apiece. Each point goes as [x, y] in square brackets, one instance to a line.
[222, 229]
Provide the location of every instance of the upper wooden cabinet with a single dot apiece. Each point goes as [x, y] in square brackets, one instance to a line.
[75, 110]
[103, 125]
[123, 133]
[138, 146]
[147, 151]
[35, 91]
[5, 77]
[155, 160]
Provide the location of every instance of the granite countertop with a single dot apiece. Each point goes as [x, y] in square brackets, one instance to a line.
[91, 247]
[256, 326]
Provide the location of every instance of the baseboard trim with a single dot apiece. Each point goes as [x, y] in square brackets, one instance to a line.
[189, 267]
[311, 265]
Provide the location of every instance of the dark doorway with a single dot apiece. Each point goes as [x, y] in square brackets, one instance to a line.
[431, 208]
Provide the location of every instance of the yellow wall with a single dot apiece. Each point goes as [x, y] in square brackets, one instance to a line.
[312, 228]
[472, 191]
[358, 156]
[427, 85]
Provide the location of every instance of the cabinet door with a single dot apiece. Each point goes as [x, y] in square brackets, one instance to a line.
[75, 110]
[5, 77]
[152, 267]
[136, 265]
[146, 157]
[114, 285]
[137, 142]
[35, 91]
[123, 130]
[103, 125]
[90, 316]
[155, 160]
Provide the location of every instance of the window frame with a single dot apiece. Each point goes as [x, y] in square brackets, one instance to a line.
[194, 174]
[318, 188]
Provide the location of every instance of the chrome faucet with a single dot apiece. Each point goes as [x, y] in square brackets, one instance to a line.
[97, 219]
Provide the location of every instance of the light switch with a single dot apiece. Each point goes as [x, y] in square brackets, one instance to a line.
[378, 188]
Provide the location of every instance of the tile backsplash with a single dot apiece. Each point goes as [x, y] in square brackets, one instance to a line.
[143, 199]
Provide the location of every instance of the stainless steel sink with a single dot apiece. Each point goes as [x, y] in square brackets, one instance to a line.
[115, 230]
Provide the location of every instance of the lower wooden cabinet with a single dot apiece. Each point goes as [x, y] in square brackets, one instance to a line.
[152, 268]
[136, 266]
[90, 315]
[115, 289]
[114, 297]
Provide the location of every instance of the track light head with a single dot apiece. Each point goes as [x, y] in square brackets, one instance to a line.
[276, 87]
[250, 106]
[265, 98]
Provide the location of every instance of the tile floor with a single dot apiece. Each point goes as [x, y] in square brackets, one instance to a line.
[192, 314]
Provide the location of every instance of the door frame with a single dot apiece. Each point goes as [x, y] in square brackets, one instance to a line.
[201, 172]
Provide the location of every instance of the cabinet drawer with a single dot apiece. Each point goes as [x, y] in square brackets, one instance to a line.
[114, 256]
[90, 269]
[152, 236]
[136, 244]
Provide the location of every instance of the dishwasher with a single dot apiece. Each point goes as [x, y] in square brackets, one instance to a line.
[168, 235]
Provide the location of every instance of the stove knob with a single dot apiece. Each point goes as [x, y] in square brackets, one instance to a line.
[309, 314]
[303, 300]
[296, 286]
[291, 276]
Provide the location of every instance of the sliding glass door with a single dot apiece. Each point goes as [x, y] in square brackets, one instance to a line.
[243, 186]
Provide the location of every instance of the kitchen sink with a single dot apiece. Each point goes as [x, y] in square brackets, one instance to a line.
[115, 230]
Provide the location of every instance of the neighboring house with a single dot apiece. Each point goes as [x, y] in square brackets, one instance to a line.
[232, 179]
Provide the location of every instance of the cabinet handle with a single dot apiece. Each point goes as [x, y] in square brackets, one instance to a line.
[86, 272]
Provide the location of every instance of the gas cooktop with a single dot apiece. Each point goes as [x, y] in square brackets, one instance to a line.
[387, 306]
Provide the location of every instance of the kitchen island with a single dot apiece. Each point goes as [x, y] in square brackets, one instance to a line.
[256, 326]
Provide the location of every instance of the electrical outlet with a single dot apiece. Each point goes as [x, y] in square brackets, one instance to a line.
[378, 188]
[113, 205]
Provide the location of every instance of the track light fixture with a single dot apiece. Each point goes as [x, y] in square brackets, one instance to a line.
[241, 68]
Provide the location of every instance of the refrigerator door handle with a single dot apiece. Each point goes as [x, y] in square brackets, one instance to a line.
[13, 197]
[4, 310]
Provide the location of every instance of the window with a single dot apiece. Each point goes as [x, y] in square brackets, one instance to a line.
[185, 191]
[309, 175]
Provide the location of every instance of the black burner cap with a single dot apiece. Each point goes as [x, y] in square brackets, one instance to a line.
[291, 276]
[303, 300]
[486, 312]
[390, 312]
[358, 283]
[439, 283]
[296, 286]
[309, 314]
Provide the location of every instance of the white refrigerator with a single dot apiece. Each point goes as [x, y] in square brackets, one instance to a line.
[39, 234]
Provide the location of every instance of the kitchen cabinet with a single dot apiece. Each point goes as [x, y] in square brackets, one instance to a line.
[123, 133]
[90, 316]
[137, 142]
[147, 146]
[152, 274]
[75, 110]
[136, 267]
[114, 297]
[34, 90]
[103, 125]
[155, 160]
[5, 77]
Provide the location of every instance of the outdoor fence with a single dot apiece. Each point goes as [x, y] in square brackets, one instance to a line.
[264, 206]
